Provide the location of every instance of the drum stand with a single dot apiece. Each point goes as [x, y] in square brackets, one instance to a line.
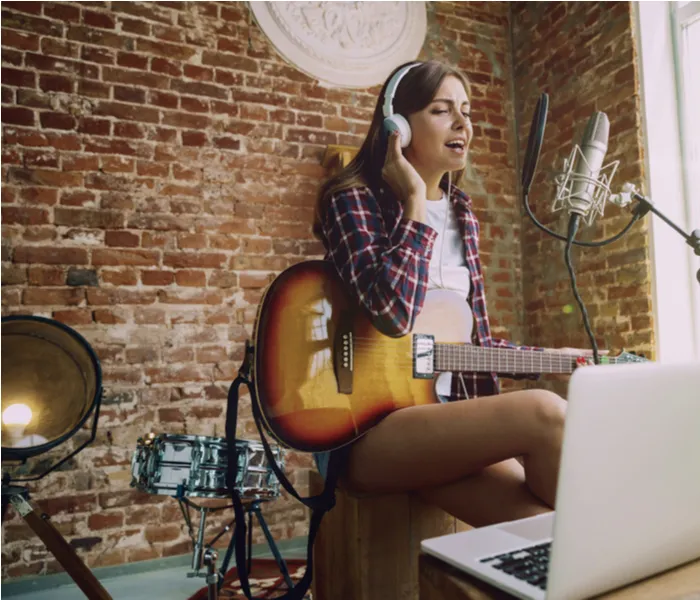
[206, 555]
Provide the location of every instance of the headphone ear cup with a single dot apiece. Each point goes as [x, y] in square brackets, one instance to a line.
[398, 123]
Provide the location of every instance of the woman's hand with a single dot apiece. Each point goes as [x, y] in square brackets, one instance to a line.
[404, 180]
[579, 351]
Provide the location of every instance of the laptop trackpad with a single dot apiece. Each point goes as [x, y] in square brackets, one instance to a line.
[533, 529]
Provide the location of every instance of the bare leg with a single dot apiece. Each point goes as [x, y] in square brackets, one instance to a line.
[440, 444]
[496, 494]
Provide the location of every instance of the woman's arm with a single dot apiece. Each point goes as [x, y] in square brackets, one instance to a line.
[387, 272]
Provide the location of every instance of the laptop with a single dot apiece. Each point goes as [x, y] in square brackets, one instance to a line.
[628, 496]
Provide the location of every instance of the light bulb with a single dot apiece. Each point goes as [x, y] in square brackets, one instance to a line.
[17, 414]
[16, 417]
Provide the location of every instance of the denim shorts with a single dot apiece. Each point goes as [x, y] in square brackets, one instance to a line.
[321, 458]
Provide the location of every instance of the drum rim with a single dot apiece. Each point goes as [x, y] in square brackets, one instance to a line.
[161, 437]
[23, 453]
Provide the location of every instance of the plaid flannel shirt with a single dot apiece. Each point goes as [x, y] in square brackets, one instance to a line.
[383, 259]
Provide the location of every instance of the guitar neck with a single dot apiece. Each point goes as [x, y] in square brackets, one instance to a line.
[465, 357]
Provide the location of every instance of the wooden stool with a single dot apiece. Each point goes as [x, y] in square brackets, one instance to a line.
[367, 547]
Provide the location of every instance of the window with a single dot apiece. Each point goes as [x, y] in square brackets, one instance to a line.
[669, 44]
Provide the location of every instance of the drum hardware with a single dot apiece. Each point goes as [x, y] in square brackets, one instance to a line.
[200, 549]
[51, 386]
[210, 557]
[189, 466]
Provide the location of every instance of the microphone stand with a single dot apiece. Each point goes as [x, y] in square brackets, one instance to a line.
[644, 206]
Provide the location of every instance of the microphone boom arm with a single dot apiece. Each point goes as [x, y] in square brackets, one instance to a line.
[645, 205]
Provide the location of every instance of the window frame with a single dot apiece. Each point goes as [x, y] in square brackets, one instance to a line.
[676, 291]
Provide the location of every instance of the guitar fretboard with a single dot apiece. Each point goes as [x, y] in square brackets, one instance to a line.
[464, 357]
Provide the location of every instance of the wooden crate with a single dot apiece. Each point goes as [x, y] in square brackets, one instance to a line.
[367, 547]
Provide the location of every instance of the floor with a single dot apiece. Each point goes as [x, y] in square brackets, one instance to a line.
[164, 579]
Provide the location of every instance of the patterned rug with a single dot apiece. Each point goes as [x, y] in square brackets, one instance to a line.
[265, 579]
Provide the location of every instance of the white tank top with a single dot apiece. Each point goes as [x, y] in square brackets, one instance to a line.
[448, 265]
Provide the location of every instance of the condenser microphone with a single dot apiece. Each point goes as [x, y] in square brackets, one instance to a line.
[583, 186]
[588, 163]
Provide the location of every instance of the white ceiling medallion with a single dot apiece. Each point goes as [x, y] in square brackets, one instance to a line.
[344, 44]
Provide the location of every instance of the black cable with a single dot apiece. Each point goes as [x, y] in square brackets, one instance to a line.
[635, 217]
[571, 233]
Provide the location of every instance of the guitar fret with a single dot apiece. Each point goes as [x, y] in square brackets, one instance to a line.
[461, 357]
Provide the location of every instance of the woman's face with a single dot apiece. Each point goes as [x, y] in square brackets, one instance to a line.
[441, 132]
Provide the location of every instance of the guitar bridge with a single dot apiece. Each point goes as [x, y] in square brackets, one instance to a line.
[423, 356]
[343, 353]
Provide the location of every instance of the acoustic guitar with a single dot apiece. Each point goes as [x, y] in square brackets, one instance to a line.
[324, 375]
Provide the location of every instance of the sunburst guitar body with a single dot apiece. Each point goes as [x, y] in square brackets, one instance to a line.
[324, 375]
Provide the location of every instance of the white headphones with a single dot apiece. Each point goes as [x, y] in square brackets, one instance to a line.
[396, 122]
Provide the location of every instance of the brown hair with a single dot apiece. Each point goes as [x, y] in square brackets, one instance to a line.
[415, 91]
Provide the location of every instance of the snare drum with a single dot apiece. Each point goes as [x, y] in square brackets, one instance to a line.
[195, 465]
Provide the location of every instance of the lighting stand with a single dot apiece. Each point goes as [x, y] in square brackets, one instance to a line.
[53, 540]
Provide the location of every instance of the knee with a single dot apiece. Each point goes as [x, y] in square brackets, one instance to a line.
[549, 412]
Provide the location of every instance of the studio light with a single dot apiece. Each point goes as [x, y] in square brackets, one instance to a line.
[51, 386]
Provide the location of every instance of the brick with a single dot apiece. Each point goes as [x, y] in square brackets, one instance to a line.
[162, 533]
[36, 195]
[149, 11]
[78, 198]
[100, 521]
[13, 275]
[97, 37]
[62, 11]
[125, 257]
[16, 115]
[54, 120]
[78, 277]
[108, 317]
[73, 317]
[190, 278]
[45, 177]
[94, 126]
[132, 60]
[31, 24]
[110, 297]
[129, 130]
[20, 40]
[53, 297]
[119, 276]
[53, 47]
[103, 56]
[24, 215]
[166, 67]
[157, 278]
[202, 260]
[96, 19]
[100, 219]
[55, 83]
[194, 138]
[38, 158]
[18, 78]
[46, 276]
[129, 94]
[51, 255]
[127, 111]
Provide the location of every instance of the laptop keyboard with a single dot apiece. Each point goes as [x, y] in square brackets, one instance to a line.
[528, 564]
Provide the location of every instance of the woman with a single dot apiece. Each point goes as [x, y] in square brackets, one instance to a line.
[381, 220]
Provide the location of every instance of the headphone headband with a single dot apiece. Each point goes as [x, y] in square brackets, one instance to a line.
[392, 86]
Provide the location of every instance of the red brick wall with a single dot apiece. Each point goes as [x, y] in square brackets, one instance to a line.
[583, 55]
[160, 163]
